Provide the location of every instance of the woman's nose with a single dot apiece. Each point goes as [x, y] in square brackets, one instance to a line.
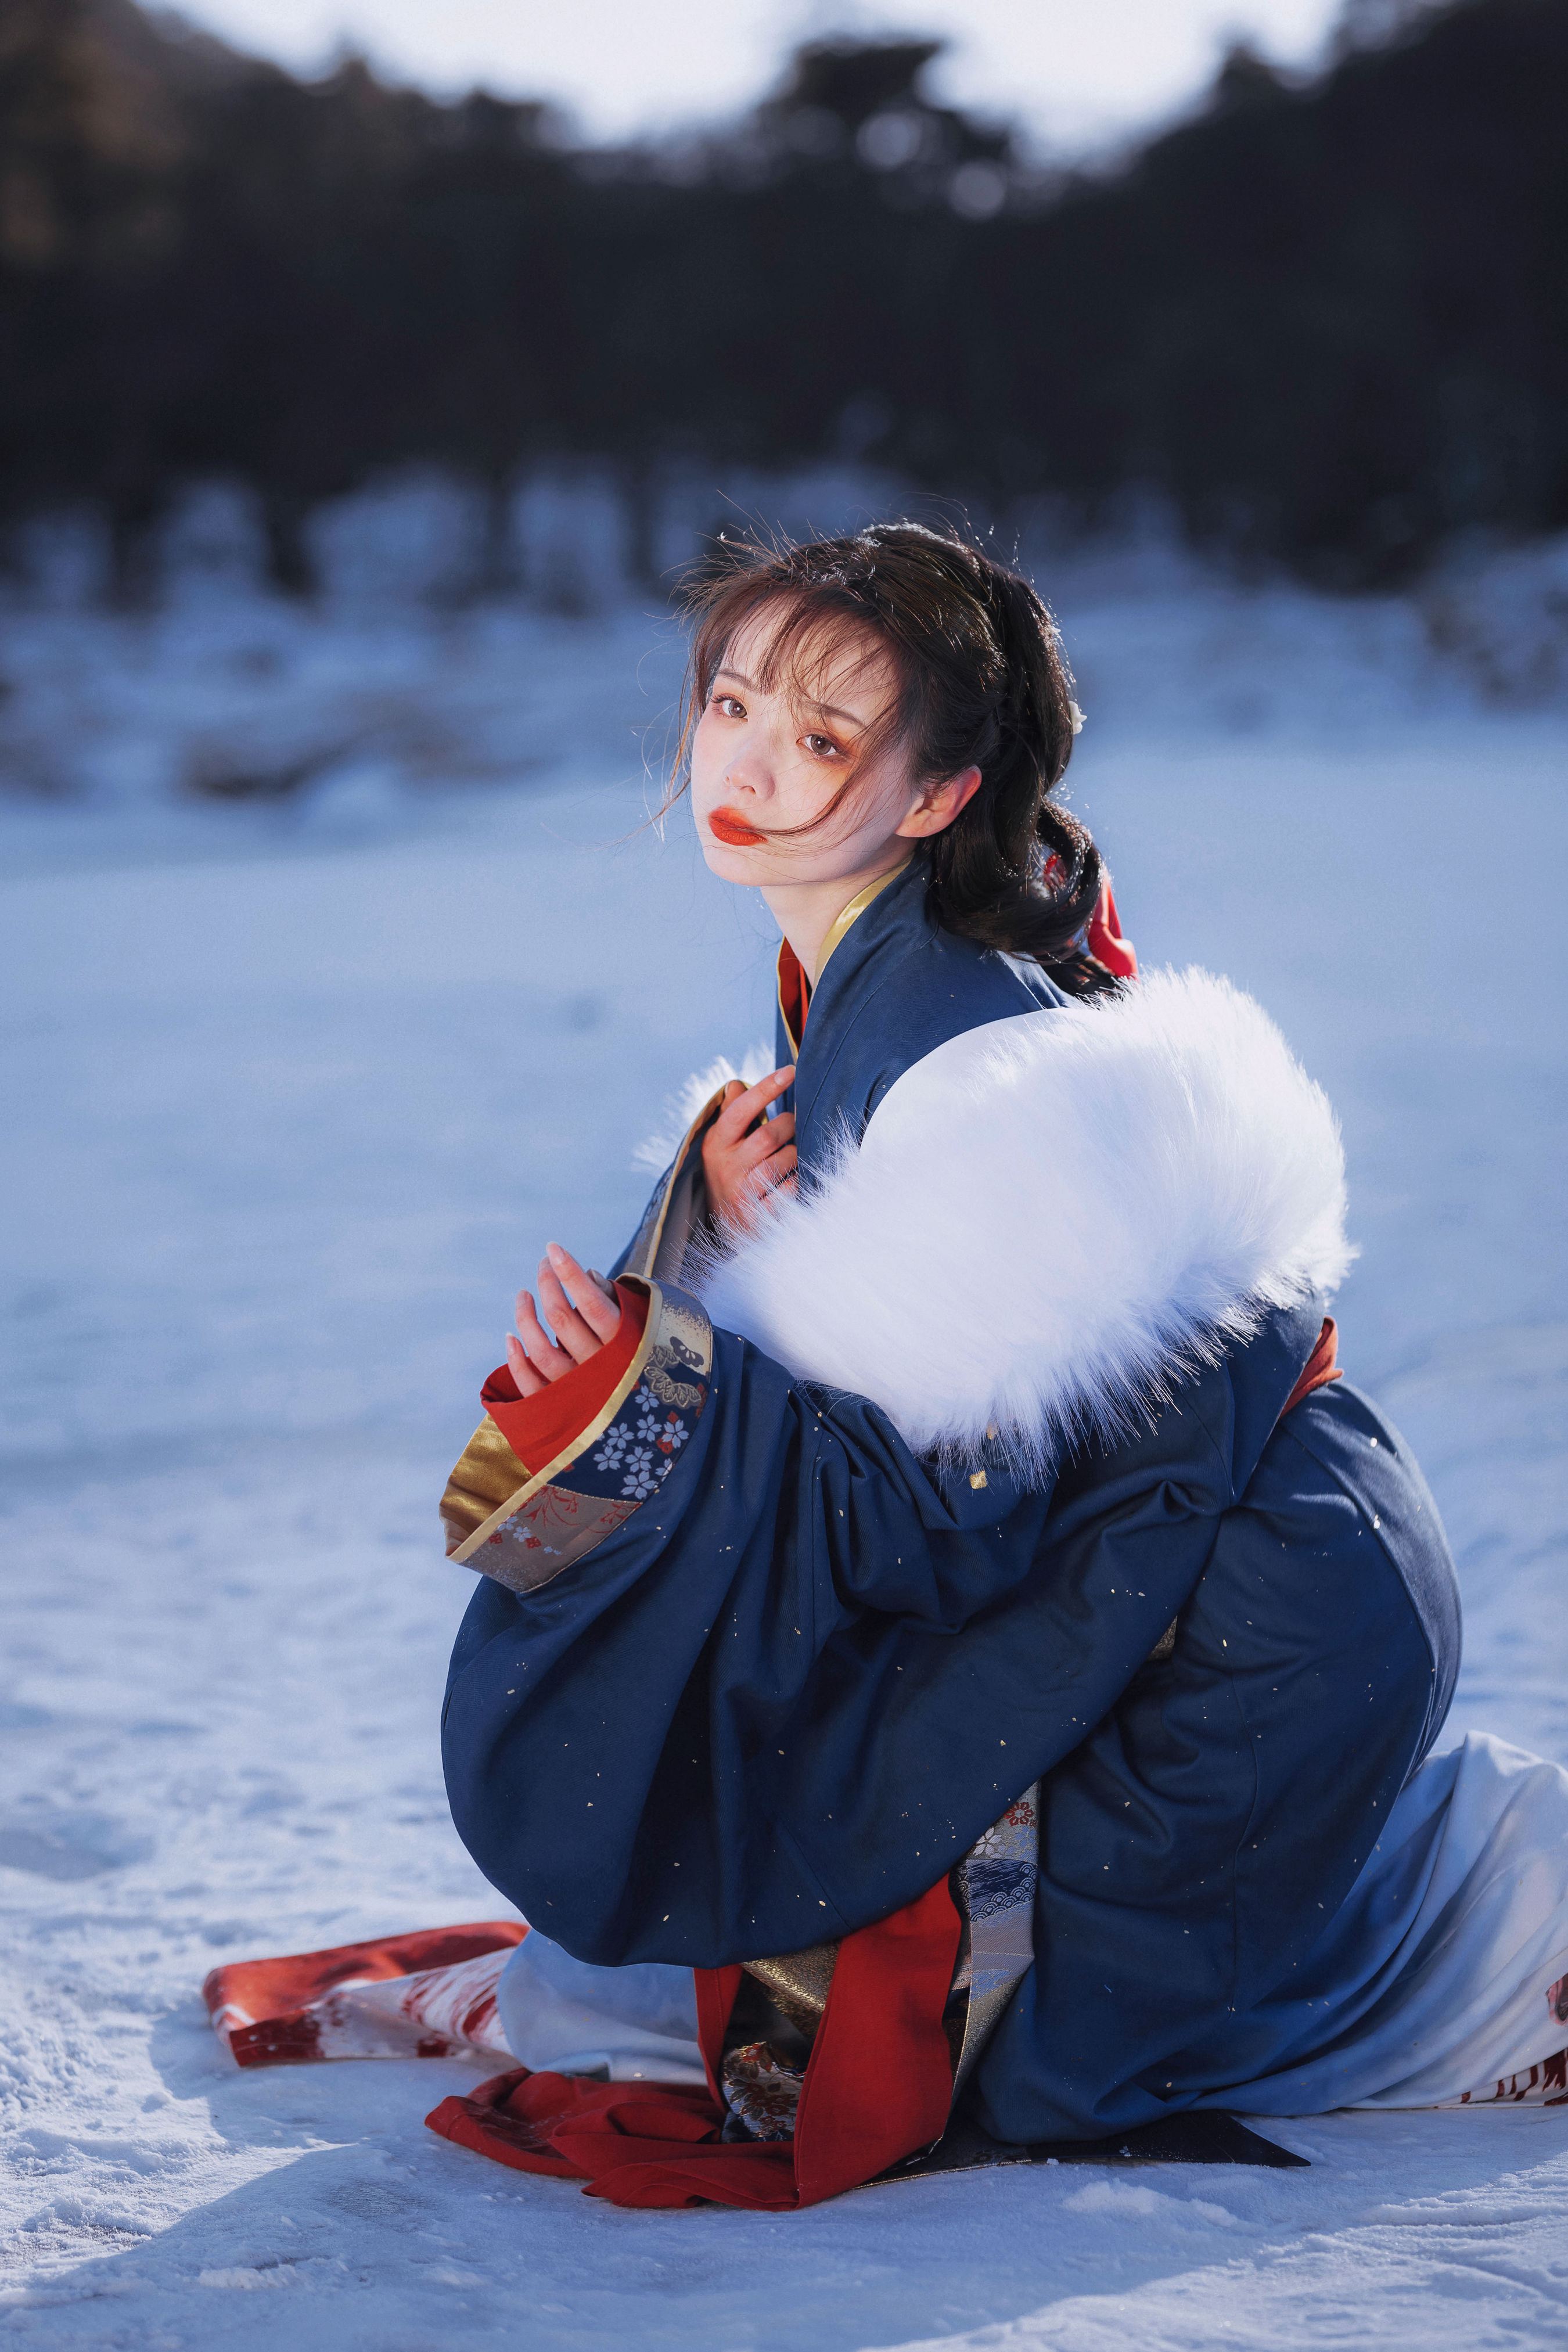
[749, 771]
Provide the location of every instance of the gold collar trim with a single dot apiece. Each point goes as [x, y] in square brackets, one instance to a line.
[785, 1023]
[851, 914]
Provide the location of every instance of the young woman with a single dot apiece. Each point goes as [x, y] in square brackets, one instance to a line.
[949, 1645]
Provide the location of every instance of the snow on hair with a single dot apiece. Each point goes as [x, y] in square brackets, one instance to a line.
[1051, 1219]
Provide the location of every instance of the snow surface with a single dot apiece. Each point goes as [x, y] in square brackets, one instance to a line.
[297, 1087]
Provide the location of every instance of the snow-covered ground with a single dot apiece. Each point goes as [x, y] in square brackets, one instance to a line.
[297, 1083]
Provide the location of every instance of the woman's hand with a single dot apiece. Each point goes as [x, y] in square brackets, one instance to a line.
[744, 1155]
[583, 1312]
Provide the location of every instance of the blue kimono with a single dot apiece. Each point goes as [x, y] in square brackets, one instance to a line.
[971, 1473]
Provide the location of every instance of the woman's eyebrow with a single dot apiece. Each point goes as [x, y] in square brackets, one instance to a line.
[828, 709]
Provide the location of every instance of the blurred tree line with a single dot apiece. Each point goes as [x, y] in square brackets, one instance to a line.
[1328, 317]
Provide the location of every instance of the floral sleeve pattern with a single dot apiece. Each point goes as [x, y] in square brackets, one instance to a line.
[640, 1448]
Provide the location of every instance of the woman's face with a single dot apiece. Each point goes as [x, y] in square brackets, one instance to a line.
[762, 763]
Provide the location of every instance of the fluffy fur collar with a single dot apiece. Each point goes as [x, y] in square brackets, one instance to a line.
[1050, 1218]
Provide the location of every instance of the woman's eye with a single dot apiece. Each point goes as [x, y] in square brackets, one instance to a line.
[821, 747]
[730, 707]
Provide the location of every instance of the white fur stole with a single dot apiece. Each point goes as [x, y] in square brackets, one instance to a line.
[1051, 1218]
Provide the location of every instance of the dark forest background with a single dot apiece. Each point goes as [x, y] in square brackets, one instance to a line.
[1326, 318]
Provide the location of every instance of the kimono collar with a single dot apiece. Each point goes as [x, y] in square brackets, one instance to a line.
[794, 989]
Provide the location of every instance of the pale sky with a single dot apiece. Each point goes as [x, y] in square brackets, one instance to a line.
[1073, 70]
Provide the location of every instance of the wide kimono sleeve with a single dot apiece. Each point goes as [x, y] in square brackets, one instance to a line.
[742, 1673]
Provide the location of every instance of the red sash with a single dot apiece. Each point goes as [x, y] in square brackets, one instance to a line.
[877, 2088]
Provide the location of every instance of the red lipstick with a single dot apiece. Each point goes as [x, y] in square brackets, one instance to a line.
[732, 830]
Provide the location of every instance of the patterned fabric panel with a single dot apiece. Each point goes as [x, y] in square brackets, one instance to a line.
[996, 1882]
[1544, 2085]
[762, 2090]
[545, 1535]
[1541, 2085]
[640, 1448]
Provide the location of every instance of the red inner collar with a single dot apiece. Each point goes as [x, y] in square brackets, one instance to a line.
[794, 991]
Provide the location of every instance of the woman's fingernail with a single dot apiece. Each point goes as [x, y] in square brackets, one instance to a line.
[554, 1253]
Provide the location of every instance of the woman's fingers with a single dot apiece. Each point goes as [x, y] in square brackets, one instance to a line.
[593, 1297]
[727, 1126]
[744, 1153]
[773, 1173]
[579, 1315]
[584, 1311]
[571, 1332]
[529, 1381]
[541, 1349]
[745, 1105]
[773, 1137]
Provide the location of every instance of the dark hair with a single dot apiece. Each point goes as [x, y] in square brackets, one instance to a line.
[982, 683]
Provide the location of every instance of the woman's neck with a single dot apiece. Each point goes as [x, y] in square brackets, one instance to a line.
[806, 911]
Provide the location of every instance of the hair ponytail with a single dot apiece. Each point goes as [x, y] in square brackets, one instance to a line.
[1013, 870]
[984, 684]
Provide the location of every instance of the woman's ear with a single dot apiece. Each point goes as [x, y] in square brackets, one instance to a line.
[939, 805]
